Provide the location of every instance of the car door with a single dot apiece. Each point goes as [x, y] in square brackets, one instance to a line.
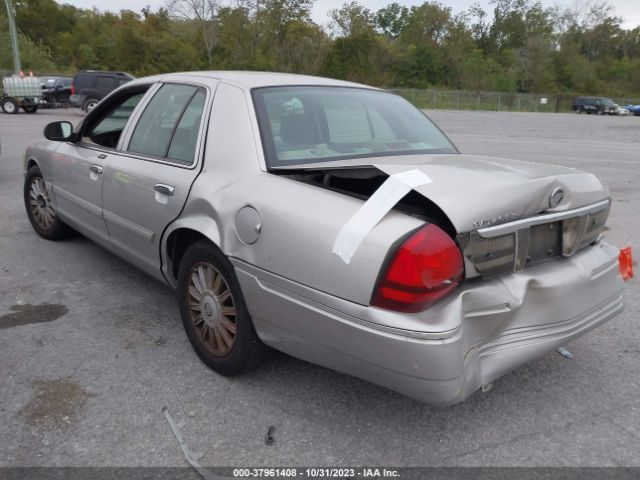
[79, 166]
[147, 184]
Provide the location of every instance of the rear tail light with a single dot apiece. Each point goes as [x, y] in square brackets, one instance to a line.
[425, 267]
[73, 89]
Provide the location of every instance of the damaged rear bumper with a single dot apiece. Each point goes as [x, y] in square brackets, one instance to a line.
[442, 355]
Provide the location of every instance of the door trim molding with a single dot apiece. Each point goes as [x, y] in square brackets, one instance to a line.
[134, 228]
[80, 202]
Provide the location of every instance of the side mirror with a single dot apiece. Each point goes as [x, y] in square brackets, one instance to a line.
[59, 131]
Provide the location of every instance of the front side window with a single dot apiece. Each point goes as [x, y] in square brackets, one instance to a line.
[105, 124]
[169, 125]
[316, 124]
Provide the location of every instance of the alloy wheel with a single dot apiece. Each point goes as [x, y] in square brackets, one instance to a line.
[40, 204]
[211, 308]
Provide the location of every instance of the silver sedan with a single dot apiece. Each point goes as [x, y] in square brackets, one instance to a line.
[334, 222]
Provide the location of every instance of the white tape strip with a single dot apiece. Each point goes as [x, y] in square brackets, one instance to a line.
[374, 209]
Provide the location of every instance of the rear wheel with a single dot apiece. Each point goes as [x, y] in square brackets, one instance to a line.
[90, 104]
[9, 105]
[30, 108]
[214, 313]
[39, 210]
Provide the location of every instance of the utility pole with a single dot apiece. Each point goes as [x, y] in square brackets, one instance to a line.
[11, 15]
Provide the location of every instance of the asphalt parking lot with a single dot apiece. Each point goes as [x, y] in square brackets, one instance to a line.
[85, 385]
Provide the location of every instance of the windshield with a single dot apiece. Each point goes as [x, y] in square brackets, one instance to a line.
[316, 124]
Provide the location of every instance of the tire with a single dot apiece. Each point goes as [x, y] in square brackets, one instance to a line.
[9, 105]
[89, 104]
[30, 108]
[38, 204]
[214, 314]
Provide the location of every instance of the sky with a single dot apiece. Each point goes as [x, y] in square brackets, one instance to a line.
[629, 10]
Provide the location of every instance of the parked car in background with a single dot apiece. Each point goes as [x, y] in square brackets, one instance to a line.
[596, 105]
[56, 90]
[91, 86]
[634, 109]
[332, 221]
[622, 111]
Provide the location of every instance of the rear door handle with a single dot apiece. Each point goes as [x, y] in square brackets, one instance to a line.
[102, 156]
[164, 189]
[96, 169]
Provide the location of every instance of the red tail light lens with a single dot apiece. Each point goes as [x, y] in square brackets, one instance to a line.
[425, 268]
[73, 89]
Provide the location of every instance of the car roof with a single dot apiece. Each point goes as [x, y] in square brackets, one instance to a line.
[104, 72]
[250, 79]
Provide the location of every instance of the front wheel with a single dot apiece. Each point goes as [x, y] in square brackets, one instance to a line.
[214, 313]
[39, 210]
[30, 108]
[9, 105]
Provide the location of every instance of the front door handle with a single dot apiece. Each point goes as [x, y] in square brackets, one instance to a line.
[96, 169]
[102, 156]
[164, 189]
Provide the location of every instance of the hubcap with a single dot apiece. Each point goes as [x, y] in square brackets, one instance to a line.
[40, 204]
[9, 107]
[211, 308]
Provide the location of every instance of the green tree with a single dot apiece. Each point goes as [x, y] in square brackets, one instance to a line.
[392, 20]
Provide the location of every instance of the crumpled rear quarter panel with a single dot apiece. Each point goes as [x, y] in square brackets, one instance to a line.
[498, 325]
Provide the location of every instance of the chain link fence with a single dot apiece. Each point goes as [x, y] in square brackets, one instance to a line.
[494, 101]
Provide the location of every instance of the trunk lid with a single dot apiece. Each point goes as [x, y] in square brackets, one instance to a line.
[477, 191]
[507, 214]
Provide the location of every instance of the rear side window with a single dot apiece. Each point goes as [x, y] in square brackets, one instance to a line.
[105, 83]
[170, 124]
[183, 143]
[82, 81]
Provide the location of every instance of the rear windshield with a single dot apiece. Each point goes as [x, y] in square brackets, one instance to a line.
[316, 124]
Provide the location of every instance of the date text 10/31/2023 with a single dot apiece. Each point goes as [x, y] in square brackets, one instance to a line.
[317, 472]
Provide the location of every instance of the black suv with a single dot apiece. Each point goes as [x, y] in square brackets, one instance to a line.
[91, 86]
[597, 105]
